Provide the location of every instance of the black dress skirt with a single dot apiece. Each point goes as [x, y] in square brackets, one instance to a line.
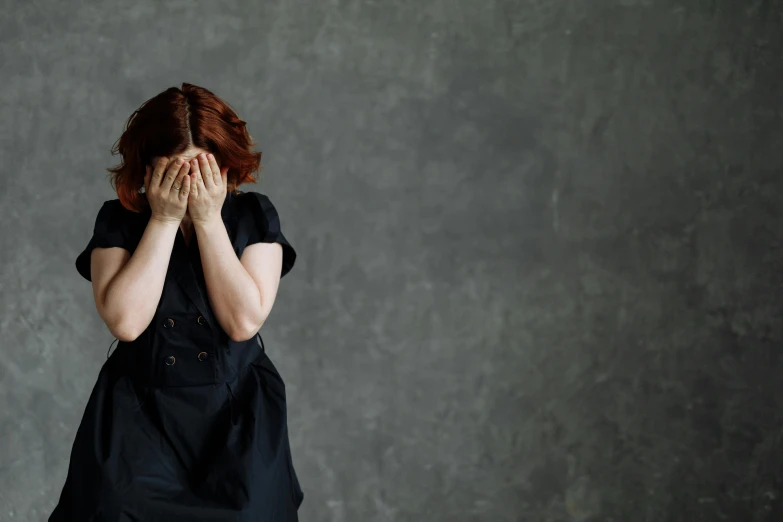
[183, 423]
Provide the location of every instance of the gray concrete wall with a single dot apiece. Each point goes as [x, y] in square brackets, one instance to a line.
[540, 244]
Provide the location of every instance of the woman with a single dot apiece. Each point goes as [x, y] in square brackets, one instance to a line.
[187, 420]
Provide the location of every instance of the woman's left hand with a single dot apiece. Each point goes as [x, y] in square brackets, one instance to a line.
[208, 186]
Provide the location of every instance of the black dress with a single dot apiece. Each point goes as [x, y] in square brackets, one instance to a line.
[183, 423]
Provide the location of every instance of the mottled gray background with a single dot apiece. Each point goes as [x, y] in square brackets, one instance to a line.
[540, 244]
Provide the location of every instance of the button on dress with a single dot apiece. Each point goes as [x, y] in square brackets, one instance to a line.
[184, 424]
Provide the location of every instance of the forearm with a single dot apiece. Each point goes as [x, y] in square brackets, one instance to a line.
[233, 295]
[134, 293]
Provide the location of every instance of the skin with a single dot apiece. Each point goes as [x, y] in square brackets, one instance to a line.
[241, 292]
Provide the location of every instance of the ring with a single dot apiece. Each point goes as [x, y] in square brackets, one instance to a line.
[177, 188]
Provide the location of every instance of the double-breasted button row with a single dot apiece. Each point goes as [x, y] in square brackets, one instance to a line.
[169, 322]
[171, 360]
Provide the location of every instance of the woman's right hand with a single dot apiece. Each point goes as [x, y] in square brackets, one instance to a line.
[167, 186]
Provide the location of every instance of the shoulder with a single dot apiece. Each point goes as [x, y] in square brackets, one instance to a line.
[256, 204]
[112, 215]
[111, 212]
[115, 207]
[250, 197]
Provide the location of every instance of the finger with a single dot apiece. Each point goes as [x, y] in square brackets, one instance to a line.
[171, 175]
[184, 193]
[202, 187]
[180, 181]
[213, 166]
[224, 176]
[197, 184]
[194, 186]
[158, 169]
[195, 169]
[185, 172]
[206, 172]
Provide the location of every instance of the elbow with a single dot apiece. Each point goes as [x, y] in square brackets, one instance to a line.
[125, 329]
[122, 324]
[242, 334]
[125, 332]
[244, 331]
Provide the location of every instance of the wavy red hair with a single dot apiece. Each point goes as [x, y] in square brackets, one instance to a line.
[168, 124]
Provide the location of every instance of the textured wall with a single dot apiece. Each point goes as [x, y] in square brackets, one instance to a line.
[540, 244]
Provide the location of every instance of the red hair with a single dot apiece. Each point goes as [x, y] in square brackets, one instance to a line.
[168, 124]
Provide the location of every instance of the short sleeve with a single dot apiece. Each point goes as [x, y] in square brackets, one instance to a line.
[263, 226]
[109, 231]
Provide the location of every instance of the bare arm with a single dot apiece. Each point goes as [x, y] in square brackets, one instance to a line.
[241, 293]
[127, 288]
[240, 303]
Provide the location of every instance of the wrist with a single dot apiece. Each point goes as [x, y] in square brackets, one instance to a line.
[208, 223]
[165, 220]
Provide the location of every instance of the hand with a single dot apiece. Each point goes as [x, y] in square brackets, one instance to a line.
[208, 187]
[167, 195]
